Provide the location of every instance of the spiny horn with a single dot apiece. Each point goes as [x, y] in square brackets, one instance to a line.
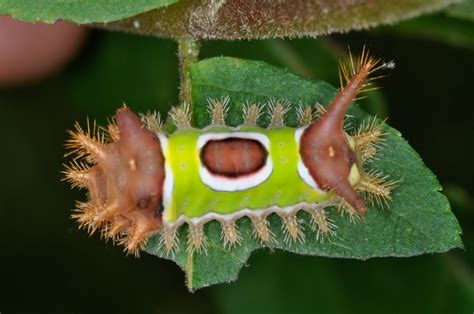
[87, 144]
[324, 146]
[252, 113]
[278, 109]
[376, 187]
[76, 173]
[218, 110]
[152, 120]
[181, 116]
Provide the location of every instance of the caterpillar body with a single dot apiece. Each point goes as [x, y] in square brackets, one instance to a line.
[142, 181]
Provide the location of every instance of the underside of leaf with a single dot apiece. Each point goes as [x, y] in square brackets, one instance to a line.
[246, 19]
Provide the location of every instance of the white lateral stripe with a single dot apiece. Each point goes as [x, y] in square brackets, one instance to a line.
[302, 169]
[169, 179]
[246, 212]
[306, 176]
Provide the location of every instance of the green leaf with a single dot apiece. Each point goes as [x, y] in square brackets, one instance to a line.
[78, 11]
[238, 19]
[419, 220]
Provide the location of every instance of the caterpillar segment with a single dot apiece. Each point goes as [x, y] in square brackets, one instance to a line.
[369, 139]
[181, 116]
[278, 109]
[197, 240]
[305, 115]
[218, 110]
[291, 227]
[85, 144]
[152, 121]
[261, 229]
[112, 133]
[319, 111]
[76, 174]
[142, 181]
[252, 112]
[230, 234]
[169, 239]
[321, 224]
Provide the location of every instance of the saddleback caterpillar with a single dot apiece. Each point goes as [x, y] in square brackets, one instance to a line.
[142, 181]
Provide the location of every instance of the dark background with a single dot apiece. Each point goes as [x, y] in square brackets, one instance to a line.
[48, 266]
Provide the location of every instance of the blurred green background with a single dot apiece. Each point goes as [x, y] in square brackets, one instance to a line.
[48, 266]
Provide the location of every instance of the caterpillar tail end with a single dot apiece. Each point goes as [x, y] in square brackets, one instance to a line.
[124, 178]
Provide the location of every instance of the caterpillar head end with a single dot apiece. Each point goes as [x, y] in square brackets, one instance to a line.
[325, 148]
[125, 181]
[330, 159]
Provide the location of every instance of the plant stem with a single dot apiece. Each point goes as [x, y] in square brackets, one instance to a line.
[188, 53]
[190, 270]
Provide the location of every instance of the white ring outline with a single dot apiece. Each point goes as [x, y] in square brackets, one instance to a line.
[225, 184]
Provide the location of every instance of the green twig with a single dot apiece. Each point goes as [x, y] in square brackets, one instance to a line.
[189, 270]
[188, 52]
